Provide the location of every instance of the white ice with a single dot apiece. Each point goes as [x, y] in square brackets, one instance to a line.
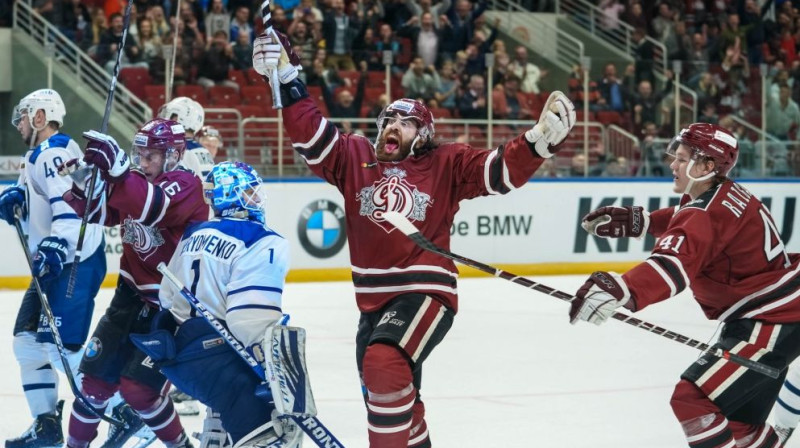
[511, 373]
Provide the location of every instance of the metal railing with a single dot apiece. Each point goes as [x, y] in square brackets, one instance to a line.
[87, 72]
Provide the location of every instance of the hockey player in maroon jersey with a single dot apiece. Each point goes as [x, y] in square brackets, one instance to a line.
[407, 296]
[723, 244]
[153, 205]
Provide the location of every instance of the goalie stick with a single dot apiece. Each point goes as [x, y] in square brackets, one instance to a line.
[51, 322]
[266, 17]
[103, 129]
[309, 423]
[402, 223]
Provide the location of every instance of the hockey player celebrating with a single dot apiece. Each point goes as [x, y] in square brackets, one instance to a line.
[52, 236]
[153, 205]
[191, 115]
[236, 267]
[405, 171]
[722, 242]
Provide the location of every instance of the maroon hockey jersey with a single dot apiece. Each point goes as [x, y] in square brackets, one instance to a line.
[725, 246]
[425, 189]
[152, 218]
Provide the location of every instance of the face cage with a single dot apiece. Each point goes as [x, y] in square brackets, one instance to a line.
[18, 114]
[424, 133]
[250, 202]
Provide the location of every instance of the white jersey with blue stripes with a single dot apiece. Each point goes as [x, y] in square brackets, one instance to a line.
[236, 268]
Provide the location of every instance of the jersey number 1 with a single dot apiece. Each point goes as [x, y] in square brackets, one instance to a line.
[193, 288]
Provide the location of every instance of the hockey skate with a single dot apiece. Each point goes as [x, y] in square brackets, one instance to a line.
[185, 404]
[135, 427]
[783, 434]
[44, 433]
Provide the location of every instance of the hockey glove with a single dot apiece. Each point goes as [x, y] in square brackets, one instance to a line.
[103, 152]
[599, 297]
[49, 259]
[617, 222]
[557, 119]
[275, 51]
[11, 198]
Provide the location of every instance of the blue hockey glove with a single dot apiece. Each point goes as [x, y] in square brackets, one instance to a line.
[12, 197]
[50, 257]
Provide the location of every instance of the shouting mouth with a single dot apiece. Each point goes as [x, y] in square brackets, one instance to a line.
[392, 144]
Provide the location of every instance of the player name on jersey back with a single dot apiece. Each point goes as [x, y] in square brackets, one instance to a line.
[213, 245]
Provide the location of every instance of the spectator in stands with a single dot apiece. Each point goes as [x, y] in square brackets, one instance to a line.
[150, 42]
[653, 153]
[345, 105]
[76, 20]
[189, 28]
[635, 16]
[91, 37]
[529, 74]
[752, 18]
[709, 114]
[733, 71]
[51, 10]
[612, 10]
[733, 33]
[629, 80]
[747, 164]
[646, 103]
[472, 103]
[376, 110]
[387, 41]
[696, 61]
[109, 43]
[425, 38]
[160, 24]
[302, 43]
[679, 43]
[477, 49]
[279, 20]
[501, 67]
[422, 6]
[577, 166]
[662, 25]
[783, 114]
[460, 26]
[339, 31]
[396, 13]
[309, 6]
[613, 95]
[184, 58]
[707, 89]
[420, 81]
[508, 102]
[217, 19]
[643, 54]
[214, 65]
[547, 169]
[241, 24]
[242, 53]
[448, 85]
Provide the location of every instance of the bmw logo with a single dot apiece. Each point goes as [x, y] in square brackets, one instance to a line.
[93, 348]
[321, 228]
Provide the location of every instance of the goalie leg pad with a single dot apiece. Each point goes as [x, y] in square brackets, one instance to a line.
[39, 378]
[287, 373]
[390, 397]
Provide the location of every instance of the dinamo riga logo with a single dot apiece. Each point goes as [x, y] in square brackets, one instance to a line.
[392, 193]
[145, 240]
[321, 228]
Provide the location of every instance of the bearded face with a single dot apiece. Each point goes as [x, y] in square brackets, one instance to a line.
[394, 143]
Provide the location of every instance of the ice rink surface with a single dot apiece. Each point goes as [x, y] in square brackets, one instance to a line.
[511, 373]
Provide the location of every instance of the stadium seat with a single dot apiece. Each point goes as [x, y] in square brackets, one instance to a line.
[376, 79]
[256, 95]
[441, 112]
[135, 79]
[153, 92]
[608, 117]
[238, 77]
[253, 77]
[195, 92]
[224, 96]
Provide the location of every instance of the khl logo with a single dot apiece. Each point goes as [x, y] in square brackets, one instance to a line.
[321, 228]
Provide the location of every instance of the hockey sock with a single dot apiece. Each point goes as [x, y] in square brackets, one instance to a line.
[157, 411]
[752, 436]
[390, 396]
[787, 407]
[82, 422]
[39, 379]
[418, 436]
[702, 421]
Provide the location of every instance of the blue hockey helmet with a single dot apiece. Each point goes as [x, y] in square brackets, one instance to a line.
[232, 189]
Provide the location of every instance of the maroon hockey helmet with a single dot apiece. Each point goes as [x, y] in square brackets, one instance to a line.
[412, 109]
[709, 140]
[163, 135]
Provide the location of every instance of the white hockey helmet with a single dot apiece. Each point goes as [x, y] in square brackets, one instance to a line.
[185, 111]
[47, 100]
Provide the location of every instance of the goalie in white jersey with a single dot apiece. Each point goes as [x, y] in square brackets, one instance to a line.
[235, 266]
[52, 233]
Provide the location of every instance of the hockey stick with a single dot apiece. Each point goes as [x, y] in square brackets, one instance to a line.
[51, 322]
[103, 129]
[310, 424]
[266, 17]
[404, 225]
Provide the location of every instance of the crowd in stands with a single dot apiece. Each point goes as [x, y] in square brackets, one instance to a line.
[437, 49]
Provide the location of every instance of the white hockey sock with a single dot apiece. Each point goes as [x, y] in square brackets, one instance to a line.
[787, 407]
[39, 378]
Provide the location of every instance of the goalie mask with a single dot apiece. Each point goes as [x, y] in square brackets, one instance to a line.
[185, 111]
[159, 136]
[233, 190]
[711, 141]
[47, 100]
[408, 109]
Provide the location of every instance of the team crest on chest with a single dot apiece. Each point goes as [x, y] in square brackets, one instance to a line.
[393, 193]
[145, 240]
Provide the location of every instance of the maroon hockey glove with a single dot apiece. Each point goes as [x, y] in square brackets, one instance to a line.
[617, 222]
[599, 297]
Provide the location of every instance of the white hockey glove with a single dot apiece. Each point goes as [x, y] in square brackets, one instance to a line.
[617, 222]
[557, 119]
[274, 51]
[599, 298]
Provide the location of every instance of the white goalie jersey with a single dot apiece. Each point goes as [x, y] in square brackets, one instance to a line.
[48, 214]
[237, 269]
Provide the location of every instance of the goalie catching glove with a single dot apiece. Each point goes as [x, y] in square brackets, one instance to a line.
[599, 298]
[557, 119]
[617, 222]
[273, 51]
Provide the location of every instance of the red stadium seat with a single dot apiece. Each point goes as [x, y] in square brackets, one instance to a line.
[238, 77]
[135, 79]
[376, 79]
[608, 117]
[195, 92]
[224, 96]
[256, 95]
[441, 112]
[253, 77]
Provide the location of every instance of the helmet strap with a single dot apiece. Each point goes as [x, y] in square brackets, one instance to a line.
[693, 179]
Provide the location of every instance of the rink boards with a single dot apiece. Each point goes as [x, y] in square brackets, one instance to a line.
[534, 230]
